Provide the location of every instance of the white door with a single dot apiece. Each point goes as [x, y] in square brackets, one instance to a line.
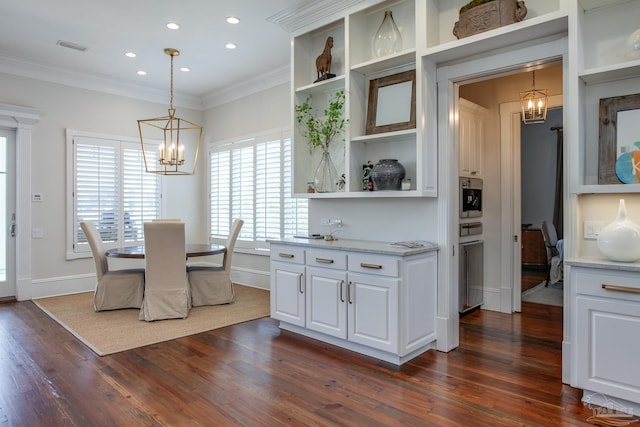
[326, 301]
[288, 293]
[7, 214]
[373, 311]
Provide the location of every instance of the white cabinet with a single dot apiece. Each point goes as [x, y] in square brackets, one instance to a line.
[607, 327]
[471, 125]
[380, 302]
[373, 311]
[288, 285]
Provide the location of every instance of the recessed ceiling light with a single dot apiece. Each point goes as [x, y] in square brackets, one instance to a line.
[172, 26]
[231, 45]
[142, 73]
[233, 20]
[130, 54]
[185, 69]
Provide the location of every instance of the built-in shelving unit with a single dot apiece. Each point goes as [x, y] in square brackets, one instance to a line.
[357, 66]
[605, 70]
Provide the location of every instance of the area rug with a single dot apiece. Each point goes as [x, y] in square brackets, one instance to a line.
[110, 332]
[541, 294]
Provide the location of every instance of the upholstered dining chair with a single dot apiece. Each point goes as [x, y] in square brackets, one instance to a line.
[166, 294]
[115, 288]
[210, 283]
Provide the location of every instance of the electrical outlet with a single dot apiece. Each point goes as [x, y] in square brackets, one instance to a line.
[337, 222]
[592, 229]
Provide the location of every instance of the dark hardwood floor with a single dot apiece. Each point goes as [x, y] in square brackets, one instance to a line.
[506, 372]
[530, 277]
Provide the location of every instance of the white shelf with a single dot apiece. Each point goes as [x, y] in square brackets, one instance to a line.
[388, 62]
[323, 86]
[607, 189]
[361, 195]
[384, 137]
[508, 35]
[611, 72]
[588, 5]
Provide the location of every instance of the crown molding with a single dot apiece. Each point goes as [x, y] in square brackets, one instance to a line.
[296, 18]
[248, 87]
[33, 70]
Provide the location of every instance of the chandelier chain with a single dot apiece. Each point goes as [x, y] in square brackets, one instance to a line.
[171, 99]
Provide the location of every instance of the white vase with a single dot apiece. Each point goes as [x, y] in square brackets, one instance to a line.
[620, 240]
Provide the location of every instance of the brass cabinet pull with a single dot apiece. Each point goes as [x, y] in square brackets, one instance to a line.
[620, 288]
[324, 260]
[341, 291]
[300, 283]
[367, 265]
[283, 255]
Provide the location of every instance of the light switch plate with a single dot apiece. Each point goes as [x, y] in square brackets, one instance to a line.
[592, 229]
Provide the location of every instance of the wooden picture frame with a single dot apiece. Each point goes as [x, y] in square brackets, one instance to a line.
[392, 103]
[608, 144]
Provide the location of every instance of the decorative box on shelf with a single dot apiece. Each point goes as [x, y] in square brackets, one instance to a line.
[484, 15]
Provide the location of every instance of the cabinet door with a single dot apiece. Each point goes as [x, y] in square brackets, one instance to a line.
[326, 301]
[288, 292]
[608, 347]
[373, 311]
[470, 136]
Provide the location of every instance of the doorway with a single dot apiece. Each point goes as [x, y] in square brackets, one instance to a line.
[502, 221]
[7, 214]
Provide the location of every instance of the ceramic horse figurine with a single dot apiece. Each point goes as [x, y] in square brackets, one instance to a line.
[323, 62]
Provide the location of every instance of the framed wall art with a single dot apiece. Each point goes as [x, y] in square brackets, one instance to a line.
[392, 103]
[619, 141]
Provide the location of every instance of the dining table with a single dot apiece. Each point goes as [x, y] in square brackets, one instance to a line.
[192, 250]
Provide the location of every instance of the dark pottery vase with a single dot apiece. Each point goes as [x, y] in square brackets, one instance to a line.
[387, 174]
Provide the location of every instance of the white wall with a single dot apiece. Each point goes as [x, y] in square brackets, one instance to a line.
[257, 113]
[538, 173]
[66, 107]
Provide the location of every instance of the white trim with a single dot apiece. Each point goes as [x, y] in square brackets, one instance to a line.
[448, 77]
[22, 120]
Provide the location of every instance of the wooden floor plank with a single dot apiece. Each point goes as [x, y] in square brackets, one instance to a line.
[505, 372]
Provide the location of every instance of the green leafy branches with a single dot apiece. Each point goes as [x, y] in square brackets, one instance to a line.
[321, 131]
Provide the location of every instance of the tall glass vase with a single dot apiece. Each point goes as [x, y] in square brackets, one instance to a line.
[388, 39]
[326, 176]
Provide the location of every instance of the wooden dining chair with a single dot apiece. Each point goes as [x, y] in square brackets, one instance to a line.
[166, 294]
[211, 284]
[115, 289]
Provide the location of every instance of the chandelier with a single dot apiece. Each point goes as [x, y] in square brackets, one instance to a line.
[534, 104]
[172, 133]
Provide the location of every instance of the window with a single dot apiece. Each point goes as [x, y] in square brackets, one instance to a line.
[110, 188]
[251, 179]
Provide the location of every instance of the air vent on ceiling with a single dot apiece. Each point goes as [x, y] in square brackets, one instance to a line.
[72, 45]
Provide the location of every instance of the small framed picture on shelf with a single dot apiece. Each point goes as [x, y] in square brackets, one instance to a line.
[392, 103]
[619, 141]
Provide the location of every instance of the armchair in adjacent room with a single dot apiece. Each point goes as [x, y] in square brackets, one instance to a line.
[555, 253]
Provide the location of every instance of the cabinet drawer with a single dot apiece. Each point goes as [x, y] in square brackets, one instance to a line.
[374, 264]
[292, 254]
[607, 284]
[327, 259]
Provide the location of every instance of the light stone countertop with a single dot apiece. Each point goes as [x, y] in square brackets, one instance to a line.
[603, 263]
[367, 246]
